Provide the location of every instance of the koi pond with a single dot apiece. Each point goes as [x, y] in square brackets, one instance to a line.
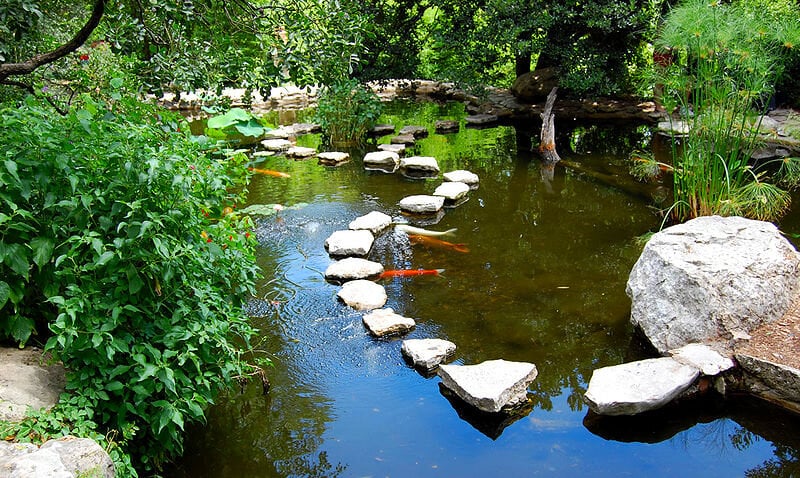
[543, 282]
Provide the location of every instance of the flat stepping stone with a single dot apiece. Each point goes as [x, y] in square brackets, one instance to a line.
[395, 148]
[277, 133]
[419, 166]
[490, 386]
[352, 268]
[446, 126]
[462, 176]
[263, 154]
[384, 322]
[480, 120]
[304, 128]
[427, 354]
[374, 222]
[637, 387]
[349, 243]
[452, 192]
[382, 129]
[403, 139]
[333, 158]
[414, 130]
[363, 294]
[300, 152]
[701, 356]
[421, 204]
[385, 160]
[277, 145]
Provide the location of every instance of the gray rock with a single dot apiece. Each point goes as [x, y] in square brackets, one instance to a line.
[382, 160]
[304, 128]
[363, 294]
[711, 278]
[277, 133]
[383, 322]
[446, 126]
[352, 268]
[414, 130]
[395, 148]
[637, 387]
[333, 158]
[300, 152]
[65, 457]
[535, 85]
[382, 130]
[702, 357]
[490, 386]
[419, 166]
[451, 191]
[462, 176]
[427, 354]
[774, 381]
[480, 120]
[405, 139]
[26, 382]
[421, 204]
[374, 222]
[276, 144]
[349, 243]
[675, 128]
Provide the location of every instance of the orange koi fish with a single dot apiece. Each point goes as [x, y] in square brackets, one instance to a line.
[433, 242]
[410, 273]
[269, 172]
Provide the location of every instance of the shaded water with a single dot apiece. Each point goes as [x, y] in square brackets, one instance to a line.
[543, 282]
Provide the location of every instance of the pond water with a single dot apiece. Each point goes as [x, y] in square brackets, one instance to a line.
[543, 282]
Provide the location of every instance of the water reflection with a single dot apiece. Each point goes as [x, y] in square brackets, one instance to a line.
[543, 282]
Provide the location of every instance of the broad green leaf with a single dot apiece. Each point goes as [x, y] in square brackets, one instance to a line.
[114, 386]
[17, 259]
[251, 128]
[232, 117]
[104, 258]
[42, 250]
[5, 291]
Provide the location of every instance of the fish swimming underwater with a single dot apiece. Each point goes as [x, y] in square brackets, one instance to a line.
[433, 242]
[409, 273]
[269, 172]
[423, 232]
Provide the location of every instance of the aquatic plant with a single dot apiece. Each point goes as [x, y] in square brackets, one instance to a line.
[726, 61]
[346, 111]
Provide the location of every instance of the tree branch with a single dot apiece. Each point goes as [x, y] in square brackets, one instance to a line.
[26, 67]
[30, 90]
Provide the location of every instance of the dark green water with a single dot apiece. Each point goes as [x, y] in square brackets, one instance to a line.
[543, 282]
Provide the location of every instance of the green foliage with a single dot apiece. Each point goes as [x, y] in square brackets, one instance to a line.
[116, 248]
[235, 120]
[728, 58]
[346, 111]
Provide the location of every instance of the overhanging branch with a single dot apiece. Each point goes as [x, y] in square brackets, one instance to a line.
[27, 67]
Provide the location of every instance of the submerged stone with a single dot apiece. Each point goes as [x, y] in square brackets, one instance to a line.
[490, 386]
[384, 322]
[363, 294]
[637, 387]
[480, 120]
[446, 126]
[414, 130]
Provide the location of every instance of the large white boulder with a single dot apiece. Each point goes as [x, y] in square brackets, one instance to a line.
[711, 279]
[637, 387]
[490, 386]
[65, 457]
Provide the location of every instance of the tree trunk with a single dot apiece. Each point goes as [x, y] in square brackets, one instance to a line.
[547, 145]
[522, 64]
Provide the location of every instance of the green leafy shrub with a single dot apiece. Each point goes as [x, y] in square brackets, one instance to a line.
[118, 246]
[346, 111]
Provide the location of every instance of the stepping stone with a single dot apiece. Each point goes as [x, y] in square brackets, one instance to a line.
[452, 192]
[421, 204]
[363, 294]
[678, 129]
[383, 322]
[446, 126]
[403, 139]
[385, 160]
[414, 130]
[637, 387]
[382, 130]
[701, 356]
[263, 154]
[300, 152]
[396, 148]
[333, 158]
[462, 176]
[490, 386]
[277, 133]
[304, 128]
[480, 120]
[427, 354]
[352, 268]
[276, 144]
[349, 243]
[419, 166]
[374, 222]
